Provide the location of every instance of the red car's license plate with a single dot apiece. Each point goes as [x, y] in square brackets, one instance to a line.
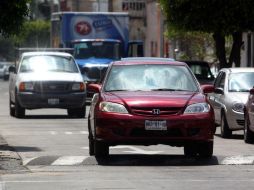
[156, 125]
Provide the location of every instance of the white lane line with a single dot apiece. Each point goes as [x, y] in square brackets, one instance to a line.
[68, 133]
[69, 160]
[84, 132]
[238, 160]
[27, 160]
[53, 132]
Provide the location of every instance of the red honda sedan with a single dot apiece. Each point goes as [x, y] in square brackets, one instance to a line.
[151, 101]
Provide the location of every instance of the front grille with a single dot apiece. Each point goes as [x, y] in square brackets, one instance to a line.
[52, 87]
[94, 72]
[148, 111]
[240, 122]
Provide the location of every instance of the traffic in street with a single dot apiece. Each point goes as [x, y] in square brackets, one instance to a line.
[52, 151]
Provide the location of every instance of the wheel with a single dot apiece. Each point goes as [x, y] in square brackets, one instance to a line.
[205, 149]
[190, 150]
[91, 147]
[77, 112]
[248, 134]
[101, 149]
[19, 111]
[11, 108]
[225, 131]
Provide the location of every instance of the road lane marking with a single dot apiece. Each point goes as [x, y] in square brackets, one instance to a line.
[27, 160]
[68, 133]
[53, 132]
[69, 160]
[238, 160]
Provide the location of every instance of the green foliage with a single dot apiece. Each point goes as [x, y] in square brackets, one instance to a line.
[13, 14]
[210, 16]
[34, 34]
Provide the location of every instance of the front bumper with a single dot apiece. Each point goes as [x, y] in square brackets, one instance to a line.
[30, 100]
[130, 129]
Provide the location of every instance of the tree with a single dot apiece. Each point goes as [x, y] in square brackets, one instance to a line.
[222, 18]
[13, 14]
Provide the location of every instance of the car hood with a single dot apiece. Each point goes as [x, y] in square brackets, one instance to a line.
[237, 97]
[50, 76]
[150, 99]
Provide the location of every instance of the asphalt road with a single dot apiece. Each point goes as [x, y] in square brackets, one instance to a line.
[48, 150]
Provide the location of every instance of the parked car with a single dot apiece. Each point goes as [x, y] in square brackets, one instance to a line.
[232, 87]
[46, 80]
[4, 70]
[148, 102]
[202, 71]
[249, 118]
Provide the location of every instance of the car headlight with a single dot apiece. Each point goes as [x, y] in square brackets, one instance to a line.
[26, 86]
[238, 107]
[112, 107]
[80, 86]
[197, 108]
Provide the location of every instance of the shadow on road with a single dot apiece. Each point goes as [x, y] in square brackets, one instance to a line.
[49, 117]
[26, 149]
[151, 160]
[233, 136]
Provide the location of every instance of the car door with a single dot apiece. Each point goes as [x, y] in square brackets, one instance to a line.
[217, 97]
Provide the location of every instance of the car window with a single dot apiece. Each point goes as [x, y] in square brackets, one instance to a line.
[150, 77]
[202, 71]
[240, 82]
[220, 80]
[48, 63]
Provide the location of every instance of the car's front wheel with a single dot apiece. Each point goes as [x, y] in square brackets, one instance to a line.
[248, 134]
[225, 131]
[205, 149]
[101, 149]
[190, 150]
[19, 111]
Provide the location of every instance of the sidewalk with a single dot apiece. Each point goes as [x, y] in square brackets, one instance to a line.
[10, 161]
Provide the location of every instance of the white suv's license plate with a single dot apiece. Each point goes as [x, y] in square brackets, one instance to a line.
[156, 125]
[53, 101]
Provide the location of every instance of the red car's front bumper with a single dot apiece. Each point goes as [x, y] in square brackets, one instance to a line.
[117, 129]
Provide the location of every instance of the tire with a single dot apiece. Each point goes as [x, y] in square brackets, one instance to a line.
[225, 131]
[91, 147]
[101, 149]
[11, 108]
[19, 111]
[248, 134]
[190, 150]
[78, 112]
[205, 149]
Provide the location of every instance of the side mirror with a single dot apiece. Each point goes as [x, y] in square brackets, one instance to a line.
[95, 88]
[12, 69]
[252, 91]
[207, 88]
[218, 91]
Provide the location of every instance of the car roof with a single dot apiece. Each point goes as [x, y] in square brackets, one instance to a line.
[64, 54]
[147, 60]
[238, 69]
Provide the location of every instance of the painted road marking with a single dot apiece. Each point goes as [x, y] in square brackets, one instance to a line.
[69, 160]
[69, 133]
[238, 160]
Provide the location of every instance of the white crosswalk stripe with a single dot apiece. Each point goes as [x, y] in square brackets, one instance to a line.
[69, 133]
[69, 160]
[238, 160]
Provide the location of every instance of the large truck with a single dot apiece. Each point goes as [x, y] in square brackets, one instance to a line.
[97, 38]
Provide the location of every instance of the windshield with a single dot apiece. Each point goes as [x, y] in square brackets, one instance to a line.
[241, 82]
[150, 77]
[43, 63]
[85, 50]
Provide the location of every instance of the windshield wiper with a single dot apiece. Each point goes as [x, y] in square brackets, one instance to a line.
[167, 89]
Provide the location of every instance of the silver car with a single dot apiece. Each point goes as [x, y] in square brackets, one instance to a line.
[46, 80]
[232, 87]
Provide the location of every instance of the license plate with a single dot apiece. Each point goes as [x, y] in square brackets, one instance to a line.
[156, 125]
[53, 101]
